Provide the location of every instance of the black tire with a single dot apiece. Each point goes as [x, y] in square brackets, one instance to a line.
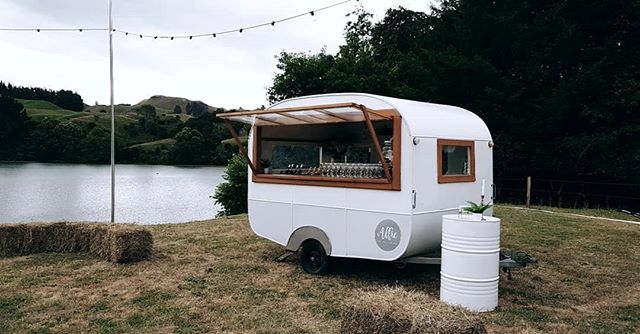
[313, 258]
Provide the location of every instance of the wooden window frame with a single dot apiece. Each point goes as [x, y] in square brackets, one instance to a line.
[390, 183]
[472, 159]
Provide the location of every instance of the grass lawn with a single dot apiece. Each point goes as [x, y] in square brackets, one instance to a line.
[38, 110]
[216, 276]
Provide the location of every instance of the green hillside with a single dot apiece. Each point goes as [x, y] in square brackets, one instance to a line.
[119, 108]
[38, 110]
[147, 132]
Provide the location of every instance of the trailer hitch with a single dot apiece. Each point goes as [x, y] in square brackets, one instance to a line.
[510, 259]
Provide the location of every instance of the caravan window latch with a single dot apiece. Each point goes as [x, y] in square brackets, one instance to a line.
[413, 199]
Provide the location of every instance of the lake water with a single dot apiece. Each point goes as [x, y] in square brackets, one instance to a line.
[145, 194]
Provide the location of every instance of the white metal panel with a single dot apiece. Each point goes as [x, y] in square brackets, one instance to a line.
[271, 192]
[361, 232]
[426, 232]
[431, 195]
[271, 220]
[330, 220]
[323, 196]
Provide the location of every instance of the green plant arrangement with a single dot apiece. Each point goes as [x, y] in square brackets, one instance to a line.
[477, 207]
[265, 163]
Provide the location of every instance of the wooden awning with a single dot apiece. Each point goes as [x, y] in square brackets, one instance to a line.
[315, 114]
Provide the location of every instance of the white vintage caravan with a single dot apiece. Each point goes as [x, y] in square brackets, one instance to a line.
[359, 175]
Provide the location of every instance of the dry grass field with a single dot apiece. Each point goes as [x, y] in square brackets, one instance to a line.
[216, 276]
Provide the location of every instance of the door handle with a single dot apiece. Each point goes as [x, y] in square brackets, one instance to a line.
[413, 199]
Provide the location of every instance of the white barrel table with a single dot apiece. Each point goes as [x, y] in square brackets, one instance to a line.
[470, 261]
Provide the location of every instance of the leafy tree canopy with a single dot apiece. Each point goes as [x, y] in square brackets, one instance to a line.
[65, 99]
[558, 83]
[232, 194]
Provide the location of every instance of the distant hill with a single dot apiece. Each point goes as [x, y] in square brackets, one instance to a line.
[163, 104]
[166, 104]
[141, 136]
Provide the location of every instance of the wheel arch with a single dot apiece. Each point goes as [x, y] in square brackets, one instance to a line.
[304, 233]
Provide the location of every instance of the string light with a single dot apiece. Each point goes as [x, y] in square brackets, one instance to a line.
[54, 29]
[213, 34]
[237, 30]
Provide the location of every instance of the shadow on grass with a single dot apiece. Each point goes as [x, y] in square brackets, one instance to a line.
[363, 273]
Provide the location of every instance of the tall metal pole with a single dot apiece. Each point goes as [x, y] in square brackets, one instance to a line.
[113, 122]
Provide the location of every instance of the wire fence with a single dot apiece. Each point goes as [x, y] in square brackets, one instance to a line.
[569, 193]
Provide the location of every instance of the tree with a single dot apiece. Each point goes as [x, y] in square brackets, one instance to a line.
[147, 111]
[177, 109]
[14, 127]
[197, 108]
[96, 146]
[63, 98]
[68, 100]
[67, 141]
[188, 148]
[42, 142]
[555, 81]
[232, 194]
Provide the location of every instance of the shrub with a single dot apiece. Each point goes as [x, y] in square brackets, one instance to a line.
[232, 194]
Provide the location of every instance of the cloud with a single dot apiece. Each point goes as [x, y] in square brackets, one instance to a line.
[228, 71]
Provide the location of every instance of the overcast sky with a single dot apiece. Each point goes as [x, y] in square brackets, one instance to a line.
[229, 71]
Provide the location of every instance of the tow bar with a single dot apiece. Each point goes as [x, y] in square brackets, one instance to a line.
[509, 259]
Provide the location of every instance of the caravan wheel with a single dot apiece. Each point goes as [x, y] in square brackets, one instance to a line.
[313, 258]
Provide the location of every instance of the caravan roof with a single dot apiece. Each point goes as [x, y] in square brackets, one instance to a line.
[423, 119]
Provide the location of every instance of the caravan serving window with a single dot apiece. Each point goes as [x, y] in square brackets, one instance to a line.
[456, 161]
[335, 145]
[340, 154]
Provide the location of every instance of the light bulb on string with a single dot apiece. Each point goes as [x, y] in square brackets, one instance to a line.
[239, 30]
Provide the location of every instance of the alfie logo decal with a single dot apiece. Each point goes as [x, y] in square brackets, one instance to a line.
[387, 235]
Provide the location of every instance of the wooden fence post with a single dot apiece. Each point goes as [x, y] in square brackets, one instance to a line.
[528, 191]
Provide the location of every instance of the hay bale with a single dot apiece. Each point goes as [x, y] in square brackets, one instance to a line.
[111, 242]
[130, 245]
[395, 310]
